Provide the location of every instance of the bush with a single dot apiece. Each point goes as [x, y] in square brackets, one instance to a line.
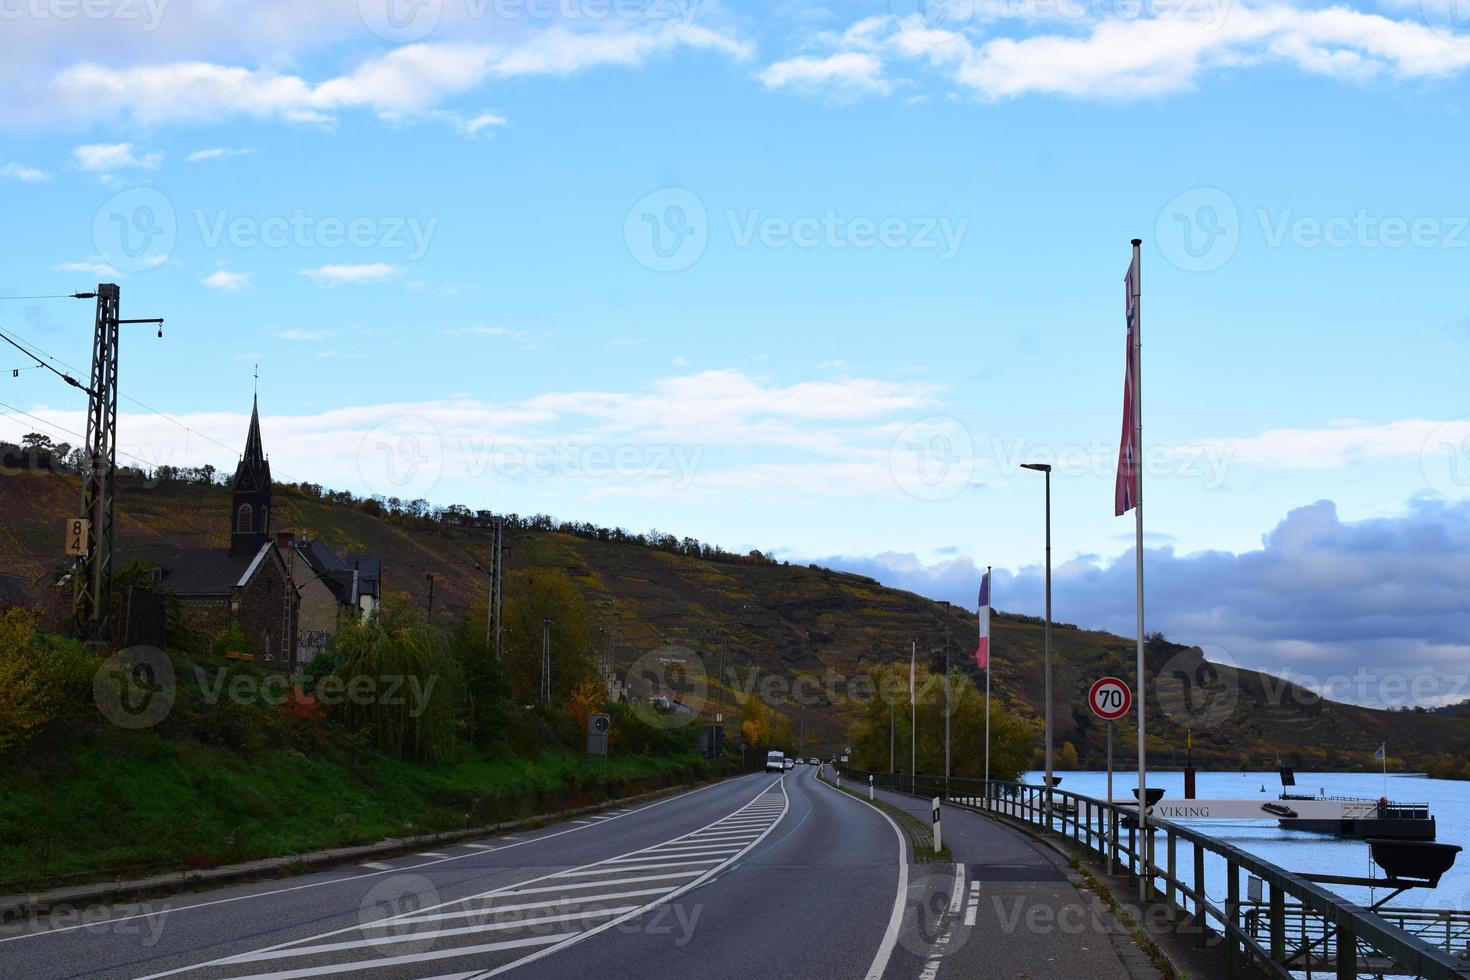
[44, 680]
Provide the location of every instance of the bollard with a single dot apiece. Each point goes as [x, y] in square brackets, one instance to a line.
[938, 838]
[870, 786]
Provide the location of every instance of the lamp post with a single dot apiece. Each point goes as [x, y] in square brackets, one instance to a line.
[1045, 469]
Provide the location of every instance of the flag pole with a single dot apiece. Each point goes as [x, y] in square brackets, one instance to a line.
[1137, 354]
[913, 720]
[981, 626]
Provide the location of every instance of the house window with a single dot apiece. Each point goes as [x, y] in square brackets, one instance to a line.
[242, 522]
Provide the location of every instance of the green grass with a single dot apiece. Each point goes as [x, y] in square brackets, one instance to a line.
[126, 805]
[920, 834]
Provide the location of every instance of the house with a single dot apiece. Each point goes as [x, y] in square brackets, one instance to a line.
[331, 586]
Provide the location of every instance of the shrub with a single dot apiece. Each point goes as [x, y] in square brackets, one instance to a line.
[44, 680]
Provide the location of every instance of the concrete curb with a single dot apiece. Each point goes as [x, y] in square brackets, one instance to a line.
[14, 907]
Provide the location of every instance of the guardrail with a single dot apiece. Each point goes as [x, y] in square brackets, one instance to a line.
[1285, 927]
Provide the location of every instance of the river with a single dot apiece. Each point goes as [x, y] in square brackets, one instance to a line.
[1295, 850]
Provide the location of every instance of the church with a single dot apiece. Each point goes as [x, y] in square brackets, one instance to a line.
[287, 596]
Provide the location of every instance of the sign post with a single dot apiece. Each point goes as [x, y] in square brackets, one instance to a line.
[1110, 699]
[938, 836]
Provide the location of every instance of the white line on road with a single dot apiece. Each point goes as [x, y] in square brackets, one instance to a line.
[895, 918]
[377, 866]
[438, 954]
[957, 896]
[511, 842]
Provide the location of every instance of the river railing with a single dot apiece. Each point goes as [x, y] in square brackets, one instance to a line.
[1270, 920]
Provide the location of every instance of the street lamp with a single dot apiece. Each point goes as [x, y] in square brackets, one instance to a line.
[1045, 468]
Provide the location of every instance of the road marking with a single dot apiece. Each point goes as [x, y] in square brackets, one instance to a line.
[657, 895]
[957, 896]
[972, 910]
[662, 900]
[483, 847]
[337, 881]
[637, 867]
[520, 907]
[437, 954]
[282, 954]
[377, 866]
[895, 918]
[432, 854]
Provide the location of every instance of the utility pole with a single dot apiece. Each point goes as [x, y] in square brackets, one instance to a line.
[546, 661]
[498, 562]
[430, 577]
[92, 578]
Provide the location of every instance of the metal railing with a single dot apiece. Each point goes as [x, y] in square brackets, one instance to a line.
[1294, 928]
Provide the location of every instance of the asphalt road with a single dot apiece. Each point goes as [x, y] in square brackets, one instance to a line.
[765, 875]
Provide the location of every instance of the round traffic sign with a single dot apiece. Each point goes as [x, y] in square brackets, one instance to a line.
[1110, 698]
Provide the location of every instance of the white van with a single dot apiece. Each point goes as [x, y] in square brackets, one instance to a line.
[775, 762]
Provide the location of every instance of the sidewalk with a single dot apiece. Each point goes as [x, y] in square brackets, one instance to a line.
[1020, 910]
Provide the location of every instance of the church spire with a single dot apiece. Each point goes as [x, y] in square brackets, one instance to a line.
[250, 520]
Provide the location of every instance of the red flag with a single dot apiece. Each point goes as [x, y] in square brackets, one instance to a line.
[1127, 490]
[982, 652]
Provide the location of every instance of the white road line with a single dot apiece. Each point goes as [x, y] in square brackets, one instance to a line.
[972, 910]
[660, 895]
[483, 847]
[431, 936]
[377, 866]
[438, 954]
[716, 838]
[684, 889]
[895, 918]
[646, 855]
[957, 896]
[432, 854]
[636, 880]
[489, 910]
[636, 867]
[333, 881]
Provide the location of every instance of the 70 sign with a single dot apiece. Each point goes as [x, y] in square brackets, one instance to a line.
[1110, 698]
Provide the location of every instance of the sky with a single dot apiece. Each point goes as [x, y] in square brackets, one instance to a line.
[810, 278]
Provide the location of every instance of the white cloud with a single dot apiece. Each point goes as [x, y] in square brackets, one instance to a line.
[338, 275]
[19, 171]
[1130, 57]
[297, 333]
[843, 73]
[229, 282]
[218, 153]
[106, 157]
[484, 120]
[411, 80]
[94, 265]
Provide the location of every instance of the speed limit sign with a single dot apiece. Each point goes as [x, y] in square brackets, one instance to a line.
[1110, 698]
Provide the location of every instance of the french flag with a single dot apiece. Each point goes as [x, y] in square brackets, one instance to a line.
[1128, 488]
[982, 652]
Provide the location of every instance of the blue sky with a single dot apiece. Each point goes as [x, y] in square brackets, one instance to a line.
[812, 278]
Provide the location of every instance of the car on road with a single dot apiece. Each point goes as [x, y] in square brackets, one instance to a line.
[790, 764]
[775, 762]
[816, 761]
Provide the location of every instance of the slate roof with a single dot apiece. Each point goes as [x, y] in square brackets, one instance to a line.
[195, 571]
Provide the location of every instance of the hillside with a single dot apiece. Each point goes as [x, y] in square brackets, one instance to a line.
[804, 633]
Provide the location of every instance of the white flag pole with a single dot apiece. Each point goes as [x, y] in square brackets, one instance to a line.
[913, 720]
[1137, 354]
[988, 652]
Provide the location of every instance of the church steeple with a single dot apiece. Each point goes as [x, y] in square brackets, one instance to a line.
[250, 514]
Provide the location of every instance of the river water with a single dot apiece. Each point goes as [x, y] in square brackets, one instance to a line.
[1295, 850]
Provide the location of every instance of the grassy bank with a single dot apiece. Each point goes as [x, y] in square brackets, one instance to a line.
[133, 802]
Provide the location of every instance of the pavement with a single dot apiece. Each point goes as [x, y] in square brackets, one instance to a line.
[763, 875]
[1025, 913]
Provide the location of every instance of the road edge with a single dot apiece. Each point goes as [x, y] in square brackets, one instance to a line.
[900, 900]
